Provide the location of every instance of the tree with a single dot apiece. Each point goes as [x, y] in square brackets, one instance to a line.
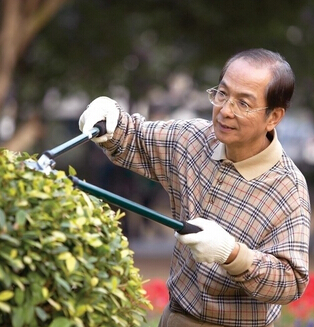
[91, 45]
[21, 21]
[94, 44]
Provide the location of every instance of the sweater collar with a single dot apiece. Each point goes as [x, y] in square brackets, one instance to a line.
[257, 165]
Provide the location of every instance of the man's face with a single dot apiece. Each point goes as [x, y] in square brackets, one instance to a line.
[243, 136]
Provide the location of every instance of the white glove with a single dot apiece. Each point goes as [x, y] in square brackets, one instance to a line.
[102, 108]
[212, 244]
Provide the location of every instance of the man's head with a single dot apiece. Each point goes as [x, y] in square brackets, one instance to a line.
[254, 91]
[281, 86]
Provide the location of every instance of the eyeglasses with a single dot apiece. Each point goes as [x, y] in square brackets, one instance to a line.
[239, 107]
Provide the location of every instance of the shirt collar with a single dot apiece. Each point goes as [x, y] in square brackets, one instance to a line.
[257, 165]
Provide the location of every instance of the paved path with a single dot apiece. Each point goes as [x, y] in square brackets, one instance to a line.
[152, 257]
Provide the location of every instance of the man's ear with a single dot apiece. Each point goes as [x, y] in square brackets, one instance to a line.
[274, 118]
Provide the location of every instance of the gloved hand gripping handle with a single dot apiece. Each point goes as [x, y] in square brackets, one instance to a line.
[101, 125]
[188, 229]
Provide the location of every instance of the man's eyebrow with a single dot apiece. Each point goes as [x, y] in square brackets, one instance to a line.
[240, 94]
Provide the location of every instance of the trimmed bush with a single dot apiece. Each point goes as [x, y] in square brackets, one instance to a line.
[63, 258]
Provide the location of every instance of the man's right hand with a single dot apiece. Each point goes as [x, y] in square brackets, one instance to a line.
[102, 108]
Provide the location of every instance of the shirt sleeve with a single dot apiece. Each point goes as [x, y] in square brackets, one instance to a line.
[279, 272]
[144, 147]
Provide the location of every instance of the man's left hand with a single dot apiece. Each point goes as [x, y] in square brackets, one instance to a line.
[212, 244]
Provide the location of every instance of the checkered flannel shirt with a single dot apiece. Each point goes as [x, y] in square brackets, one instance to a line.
[262, 201]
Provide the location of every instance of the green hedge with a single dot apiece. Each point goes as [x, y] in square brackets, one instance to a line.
[63, 258]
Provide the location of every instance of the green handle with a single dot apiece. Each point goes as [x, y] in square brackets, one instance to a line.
[179, 226]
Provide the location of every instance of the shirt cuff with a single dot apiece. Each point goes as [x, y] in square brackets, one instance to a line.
[242, 262]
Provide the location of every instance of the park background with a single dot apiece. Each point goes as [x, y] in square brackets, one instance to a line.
[156, 57]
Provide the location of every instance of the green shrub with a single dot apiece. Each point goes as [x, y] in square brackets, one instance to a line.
[63, 258]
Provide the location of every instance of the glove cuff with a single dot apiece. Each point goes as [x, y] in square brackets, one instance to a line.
[225, 249]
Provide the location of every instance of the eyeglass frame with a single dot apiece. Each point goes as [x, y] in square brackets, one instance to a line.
[245, 114]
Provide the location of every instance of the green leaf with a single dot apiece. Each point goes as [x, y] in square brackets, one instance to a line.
[39, 195]
[28, 260]
[41, 314]
[33, 243]
[17, 280]
[28, 313]
[61, 322]
[119, 294]
[118, 269]
[95, 243]
[64, 256]
[17, 264]
[36, 293]
[21, 203]
[94, 281]
[100, 290]
[19, 296]
[18, 317]
[45, 292]
[63, 283]
[2, 219]
[124, 253]
[5, 307]
[80, 310]
[70, 264]
[119, 321]
[54, 304]
[88, 201]
[60, 237]
[72, 171]
[6, 295]
[21, 217]
[2, 273]
[10, 239]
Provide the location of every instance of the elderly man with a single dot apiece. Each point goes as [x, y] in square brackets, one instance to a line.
[230, 177]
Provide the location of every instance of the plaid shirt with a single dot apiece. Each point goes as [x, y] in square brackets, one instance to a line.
[262, 201]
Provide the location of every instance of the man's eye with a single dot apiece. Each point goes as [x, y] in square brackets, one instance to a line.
[243, 105]
[222, 94]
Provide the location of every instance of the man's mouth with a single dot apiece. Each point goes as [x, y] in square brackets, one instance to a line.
[225, 126]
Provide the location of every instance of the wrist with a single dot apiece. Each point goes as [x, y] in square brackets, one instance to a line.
[233, 253]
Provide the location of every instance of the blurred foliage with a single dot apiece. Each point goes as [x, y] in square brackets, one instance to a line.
[91, 45]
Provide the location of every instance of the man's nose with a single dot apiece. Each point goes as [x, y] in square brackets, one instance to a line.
[227, 108]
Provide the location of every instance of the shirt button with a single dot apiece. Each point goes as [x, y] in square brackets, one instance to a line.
[220, 180]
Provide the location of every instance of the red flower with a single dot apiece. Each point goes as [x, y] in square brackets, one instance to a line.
[303, 307]
[157, 293]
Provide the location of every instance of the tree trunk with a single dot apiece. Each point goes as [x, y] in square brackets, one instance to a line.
[9, 40]
[22, 20]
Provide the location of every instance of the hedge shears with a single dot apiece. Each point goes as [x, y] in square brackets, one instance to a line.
[46, 164]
